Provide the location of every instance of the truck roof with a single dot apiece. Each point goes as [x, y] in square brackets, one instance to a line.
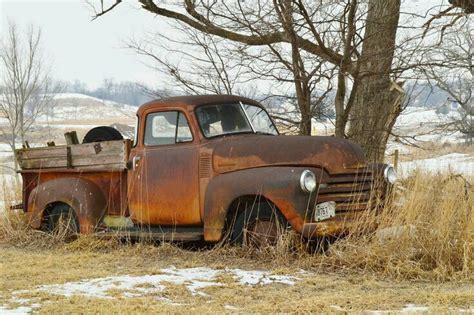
[190, 102]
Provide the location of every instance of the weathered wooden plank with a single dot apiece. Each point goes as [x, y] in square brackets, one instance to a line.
[103, 167]
[43, 163]
[105, 159]
[42, 152]
[119, 157]
[79, 149]
[90, 154]
[75, 161]
[98, 147]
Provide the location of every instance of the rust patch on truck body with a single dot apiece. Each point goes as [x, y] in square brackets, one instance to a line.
[335, 155]
[90, 194]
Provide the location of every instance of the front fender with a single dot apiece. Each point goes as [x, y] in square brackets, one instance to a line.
[280, 185]
[82, 195]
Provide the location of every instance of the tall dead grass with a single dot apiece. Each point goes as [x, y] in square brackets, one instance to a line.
[13, 227]
[427, 232]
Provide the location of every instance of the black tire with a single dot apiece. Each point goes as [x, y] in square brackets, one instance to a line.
[61, 221]
[320, 245]
[252, 214]
[102, 133]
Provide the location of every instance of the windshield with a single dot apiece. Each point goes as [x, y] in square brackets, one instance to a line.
[224, 119]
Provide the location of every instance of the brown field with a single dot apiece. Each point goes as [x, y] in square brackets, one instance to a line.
[422, 254]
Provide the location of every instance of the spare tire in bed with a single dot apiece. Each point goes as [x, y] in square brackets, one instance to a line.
[102, 133]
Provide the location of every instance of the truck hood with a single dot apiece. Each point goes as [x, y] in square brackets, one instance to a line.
[335, 155]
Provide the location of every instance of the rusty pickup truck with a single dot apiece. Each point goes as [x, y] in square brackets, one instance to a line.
[202, 168]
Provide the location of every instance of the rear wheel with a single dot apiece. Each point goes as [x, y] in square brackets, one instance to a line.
[258, 225]
[61, 222]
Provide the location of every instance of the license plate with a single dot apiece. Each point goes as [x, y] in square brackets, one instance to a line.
[325, 210]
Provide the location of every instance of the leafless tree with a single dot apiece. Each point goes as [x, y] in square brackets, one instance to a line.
[453, 72]
[198, 63]
[193, 62]
[357, 38]
[25, 84]
[450, 16]
[328, 33]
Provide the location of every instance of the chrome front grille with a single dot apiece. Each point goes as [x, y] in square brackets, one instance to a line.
[351, 192]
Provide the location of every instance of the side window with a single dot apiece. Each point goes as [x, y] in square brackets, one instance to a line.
[167, 128]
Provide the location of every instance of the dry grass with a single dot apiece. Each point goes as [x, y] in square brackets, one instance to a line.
[422, 253]
[427, 232]
[318, 292]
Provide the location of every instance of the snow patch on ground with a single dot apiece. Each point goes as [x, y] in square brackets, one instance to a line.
[4, 310]
[18, 310]
[69, 96]
[454, 162]
[60, 96]
[409, 308]
[73, 107]
[194, 279]
[128, 286]
[416, 118]
[256, 277]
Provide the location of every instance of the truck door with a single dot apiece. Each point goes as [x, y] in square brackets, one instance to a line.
[163, 185]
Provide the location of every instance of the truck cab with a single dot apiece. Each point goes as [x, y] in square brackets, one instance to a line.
[205, 168]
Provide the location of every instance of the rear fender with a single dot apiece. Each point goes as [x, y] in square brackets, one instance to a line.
[82, 195]
[279, 185]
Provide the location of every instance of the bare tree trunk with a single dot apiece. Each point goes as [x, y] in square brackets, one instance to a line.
[285, 10]
[377, 104]
[16, 166]
[304, 104]
[340, 130]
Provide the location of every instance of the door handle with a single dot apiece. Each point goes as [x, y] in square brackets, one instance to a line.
[135, 161]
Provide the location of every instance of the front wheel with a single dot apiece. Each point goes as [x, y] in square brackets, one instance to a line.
[61, 222]
[258, 225]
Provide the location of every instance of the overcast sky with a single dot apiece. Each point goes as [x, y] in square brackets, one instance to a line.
[93, 50]
[83, 49]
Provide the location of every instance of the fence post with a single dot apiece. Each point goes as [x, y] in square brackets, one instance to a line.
[395, 159]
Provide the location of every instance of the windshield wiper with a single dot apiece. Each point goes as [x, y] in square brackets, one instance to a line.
[229, 134]
[264, 133]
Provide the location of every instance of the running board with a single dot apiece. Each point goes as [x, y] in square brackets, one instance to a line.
[154, 233]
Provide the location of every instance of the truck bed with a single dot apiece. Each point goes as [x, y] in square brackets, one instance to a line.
[99, 156]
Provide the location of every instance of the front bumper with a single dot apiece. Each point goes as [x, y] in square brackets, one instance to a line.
[341, 225]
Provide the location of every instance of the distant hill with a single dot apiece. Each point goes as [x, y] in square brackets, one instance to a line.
[78, 108]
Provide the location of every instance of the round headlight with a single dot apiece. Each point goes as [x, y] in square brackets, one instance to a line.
[390, 175]
[308, 181]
